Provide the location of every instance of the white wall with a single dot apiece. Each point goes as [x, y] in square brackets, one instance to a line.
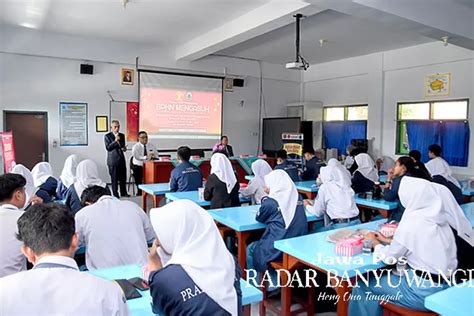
[383, 79]
[37, 71]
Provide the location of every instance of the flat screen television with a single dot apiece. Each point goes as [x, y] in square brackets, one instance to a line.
[272, 130]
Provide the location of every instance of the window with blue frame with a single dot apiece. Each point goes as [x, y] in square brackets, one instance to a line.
[341, 124]
[445, 123]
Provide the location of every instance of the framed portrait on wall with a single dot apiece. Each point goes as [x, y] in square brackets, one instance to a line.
[438, 85]
[228, 84]
[101, 124]
[127, 76]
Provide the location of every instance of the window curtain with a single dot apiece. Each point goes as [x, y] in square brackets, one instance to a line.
[421, 134]
[339, 134]
[453, 137]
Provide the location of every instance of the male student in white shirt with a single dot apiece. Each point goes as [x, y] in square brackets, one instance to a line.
[55, 286]
[12, 200]
[114, 232]
[141, 152]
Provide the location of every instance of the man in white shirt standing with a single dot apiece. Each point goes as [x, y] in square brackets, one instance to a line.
[55, 286]
[141, 152]
[12, 200]
[114, 232]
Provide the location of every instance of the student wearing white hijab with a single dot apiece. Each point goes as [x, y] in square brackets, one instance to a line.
[365, 176]
[192, 272]
[425, 238]
[87, 175]
[344, 174]
[385, 164]
[44, 181]
[29, 187]
[283, 213]
[68, 175]
[335, 200]
[256, 186]
[222, 188]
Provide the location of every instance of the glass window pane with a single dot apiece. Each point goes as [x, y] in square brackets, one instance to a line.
[414, 111]
[356, 113]
[456, 110]
[334, 114]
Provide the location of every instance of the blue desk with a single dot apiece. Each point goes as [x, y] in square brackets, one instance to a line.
[142, 305]
[316, 252]
[468, 209]
[308, 188]
[194, 196]
[455, 301]
[242, 221]
[380, 205]
[156, 190]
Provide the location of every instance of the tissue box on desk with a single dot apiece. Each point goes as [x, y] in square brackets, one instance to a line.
[349, 246]
[388, 230]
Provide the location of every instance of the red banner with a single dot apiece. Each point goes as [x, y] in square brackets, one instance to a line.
[8, 151]
[132, 121]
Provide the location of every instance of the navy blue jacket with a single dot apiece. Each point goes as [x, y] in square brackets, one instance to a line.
[61, 190]
[290, 168]
[312, 167]
[361, 184]
[392, 195]
[185, 177]
[47, 191]
[169, 296]
[216, 192]
[270, 214]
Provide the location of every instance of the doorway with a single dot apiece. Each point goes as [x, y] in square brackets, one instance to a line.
[30, 135]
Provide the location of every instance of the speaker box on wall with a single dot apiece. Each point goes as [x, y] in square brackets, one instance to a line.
[87, 69]
[238, 82]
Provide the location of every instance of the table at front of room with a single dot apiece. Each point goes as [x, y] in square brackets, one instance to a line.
[380, 205]
[142, 306]
[156, 190]
[160, 171]
[454, 301]
[194, 196]
[316, 252]
[242, 221]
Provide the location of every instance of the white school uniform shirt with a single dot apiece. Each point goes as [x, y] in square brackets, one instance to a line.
[11, 258]
[60, 290]
[114, 232]
[335, 196]
[138, 152]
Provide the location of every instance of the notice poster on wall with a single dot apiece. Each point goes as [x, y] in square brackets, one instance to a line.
[293, 144]
[73, 124]
[8, 151]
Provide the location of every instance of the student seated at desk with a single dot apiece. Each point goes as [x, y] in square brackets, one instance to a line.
[441, 172]
[186, 176]
[404, 166]
[283, 212]
[284, 164]
[256, 186]
[114, 232]
[222, 188]
[312, 166]
[55, 286]
[425, 239]
[191, 271]
[44, 181]
[365, 176]
[384, 164]
[29, 186]
[419, 166]
[12, 200]
[68, 176]
[335, 200]
[87, 175]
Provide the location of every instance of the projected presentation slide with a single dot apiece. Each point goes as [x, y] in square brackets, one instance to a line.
[180, 110]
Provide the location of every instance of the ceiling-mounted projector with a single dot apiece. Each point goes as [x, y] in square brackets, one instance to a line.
[300, 63]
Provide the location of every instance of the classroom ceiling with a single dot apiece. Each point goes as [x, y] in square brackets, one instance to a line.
[257, 29]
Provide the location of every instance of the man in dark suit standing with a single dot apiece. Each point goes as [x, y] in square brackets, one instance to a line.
[115, 146]
[227, 149]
